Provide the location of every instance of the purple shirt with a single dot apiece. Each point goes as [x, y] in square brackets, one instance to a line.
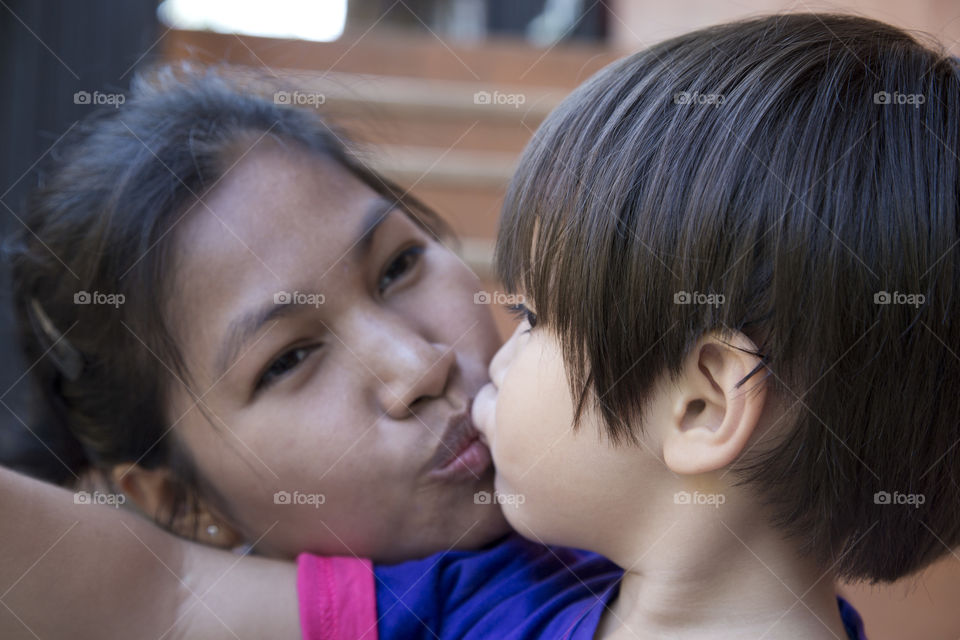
[510, 590]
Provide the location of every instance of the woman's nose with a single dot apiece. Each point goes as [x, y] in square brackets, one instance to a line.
[416, 370]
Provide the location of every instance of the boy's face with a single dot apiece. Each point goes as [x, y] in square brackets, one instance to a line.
[555, 484]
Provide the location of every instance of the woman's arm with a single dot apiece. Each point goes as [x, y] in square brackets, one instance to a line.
[101, 572]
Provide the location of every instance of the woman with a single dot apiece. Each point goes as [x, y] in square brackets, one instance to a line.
[289, 322]
[254, 338]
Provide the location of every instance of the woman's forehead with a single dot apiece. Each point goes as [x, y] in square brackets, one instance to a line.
[278, 220]
[271, 206]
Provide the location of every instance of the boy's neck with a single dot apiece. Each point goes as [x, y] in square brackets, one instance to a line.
[725, 574]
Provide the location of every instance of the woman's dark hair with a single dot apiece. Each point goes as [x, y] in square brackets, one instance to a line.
[102, 222]
[794, 178]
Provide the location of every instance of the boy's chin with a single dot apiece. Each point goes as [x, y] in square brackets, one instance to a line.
[529, 528]
[545, 528]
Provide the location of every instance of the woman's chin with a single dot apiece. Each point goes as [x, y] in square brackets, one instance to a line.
[488, 515]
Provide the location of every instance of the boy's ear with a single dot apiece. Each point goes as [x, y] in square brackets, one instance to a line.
[153, 492]
[712, 419]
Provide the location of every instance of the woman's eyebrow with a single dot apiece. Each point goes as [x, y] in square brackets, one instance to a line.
[376, 213]
[242, 330]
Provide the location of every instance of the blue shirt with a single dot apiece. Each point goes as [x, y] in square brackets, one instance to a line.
[513, 589]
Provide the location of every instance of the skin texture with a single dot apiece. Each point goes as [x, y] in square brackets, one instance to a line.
[571, 486]
[359, 389]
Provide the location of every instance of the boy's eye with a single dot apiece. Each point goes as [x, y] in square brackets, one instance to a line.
[399, 266]
[284, 365]
[531, 318]
[521, 312]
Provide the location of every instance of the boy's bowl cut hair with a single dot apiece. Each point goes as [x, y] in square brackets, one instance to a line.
[794, 178]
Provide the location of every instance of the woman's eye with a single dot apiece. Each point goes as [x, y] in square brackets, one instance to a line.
[521, 312]
[399, 266]
[283, 365]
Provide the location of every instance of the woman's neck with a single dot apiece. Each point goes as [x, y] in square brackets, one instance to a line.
[712, 578]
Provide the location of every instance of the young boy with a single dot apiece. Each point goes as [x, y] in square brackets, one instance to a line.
[737, 375]
[738, 378]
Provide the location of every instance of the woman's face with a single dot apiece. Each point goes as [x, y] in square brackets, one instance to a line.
[336, 349]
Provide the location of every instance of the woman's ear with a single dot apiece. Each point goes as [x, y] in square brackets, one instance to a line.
[154, 492]
[712, 417]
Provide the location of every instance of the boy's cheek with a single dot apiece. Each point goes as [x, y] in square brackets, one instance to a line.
[515, 424]
[505, 355]
[529, 408]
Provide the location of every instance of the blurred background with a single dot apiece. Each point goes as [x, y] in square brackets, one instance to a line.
[442, 95]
